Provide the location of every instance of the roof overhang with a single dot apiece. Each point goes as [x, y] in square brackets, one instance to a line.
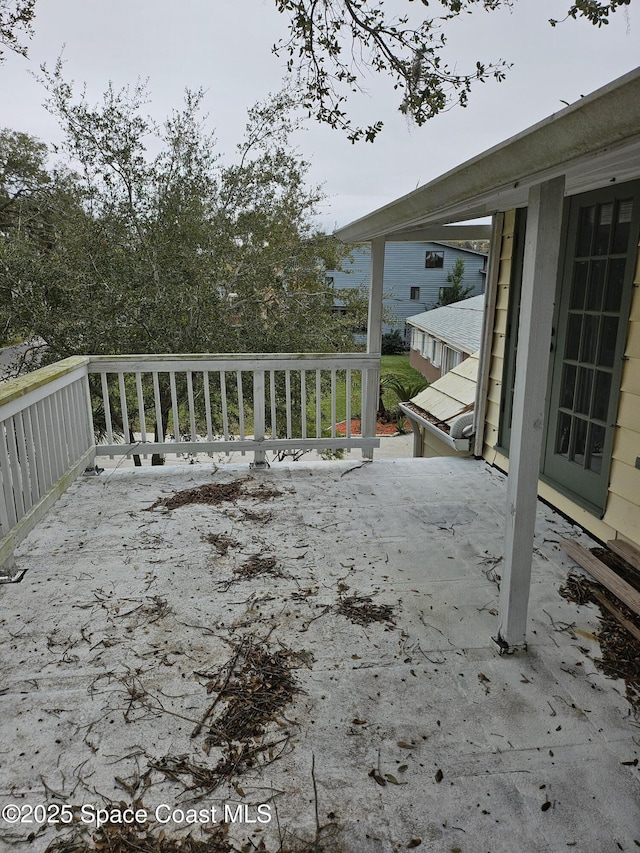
[593, 143]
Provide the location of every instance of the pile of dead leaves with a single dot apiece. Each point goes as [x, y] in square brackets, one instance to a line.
[112, 838]
[214, 494]
[361, 610]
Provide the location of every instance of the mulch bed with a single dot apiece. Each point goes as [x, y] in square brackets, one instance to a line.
[382, 428]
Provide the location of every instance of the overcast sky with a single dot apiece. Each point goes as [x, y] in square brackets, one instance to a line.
[224, 46]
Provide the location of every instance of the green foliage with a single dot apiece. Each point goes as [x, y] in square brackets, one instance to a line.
[455, 292]
[15, 16]
[175, 252]
[392, 343]
[403, 388]
[333, 46]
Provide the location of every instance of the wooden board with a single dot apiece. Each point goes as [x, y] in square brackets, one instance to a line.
[625, 550]
[621, 589]
[603, 601]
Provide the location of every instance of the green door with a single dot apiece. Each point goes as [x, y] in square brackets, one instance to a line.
[590, 333]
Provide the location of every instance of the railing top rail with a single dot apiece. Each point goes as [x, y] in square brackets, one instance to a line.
[228, 361]
[13, 389]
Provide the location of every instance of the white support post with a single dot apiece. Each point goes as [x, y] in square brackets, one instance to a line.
[260, 457]
[540, 270]
[374, 343]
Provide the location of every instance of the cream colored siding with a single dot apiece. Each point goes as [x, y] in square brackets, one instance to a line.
[494, 390]
[432, 446]
[623, 503]
[622, 515]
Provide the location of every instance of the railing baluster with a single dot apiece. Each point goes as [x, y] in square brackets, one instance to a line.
[174, 407]
[348, 407]
[32, 456]
[41, 454]
[259, 415]
[106, 404]
[333, 403]
[128, 437]
[287, 395]
[207, 405]
[50, 426]
[140, 397]
[70, 430]
[23, 459]
[16, 468]
[274, 410]
[240, 406]
[8, 517]
[158, 406]
[225, 408]
[192, 411]
[318, 403]
[303, 402]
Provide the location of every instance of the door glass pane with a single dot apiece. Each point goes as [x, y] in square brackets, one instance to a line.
[562, 437]
[615, 282]
[601, 390]
[596, 285]
[572, 346]
[608, 341]
[596, 446]
[568, 386]
[623, 223]
[579, 440]
[585, 230]
[579, 286]
[583, 390]
[603, 229]
[589, 338]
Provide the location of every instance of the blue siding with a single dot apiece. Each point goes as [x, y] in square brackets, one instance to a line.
[404, 269]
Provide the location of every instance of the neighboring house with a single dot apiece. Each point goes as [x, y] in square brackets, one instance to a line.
[444, 337]
[558, 391]
[415, 277]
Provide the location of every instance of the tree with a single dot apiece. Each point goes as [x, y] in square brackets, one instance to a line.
[456, 291]
[172, 252]
[15, 15]
[176, 252]
[333, 44]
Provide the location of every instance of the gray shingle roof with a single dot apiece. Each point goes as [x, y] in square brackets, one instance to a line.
[459, 324]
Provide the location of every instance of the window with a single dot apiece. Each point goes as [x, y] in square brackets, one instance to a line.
[434, 260]
[414, 293]
[450, 358]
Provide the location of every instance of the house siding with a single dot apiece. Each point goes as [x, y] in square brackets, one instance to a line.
[494, 390]
[622, 514]
[404, 268]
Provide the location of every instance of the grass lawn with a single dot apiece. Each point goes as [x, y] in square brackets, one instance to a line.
[397, 365]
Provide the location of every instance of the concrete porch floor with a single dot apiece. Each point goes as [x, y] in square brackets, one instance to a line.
[404, 733]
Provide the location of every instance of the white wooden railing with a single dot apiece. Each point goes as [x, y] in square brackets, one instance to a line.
[255, 402]
[46, 440]
[173, 404]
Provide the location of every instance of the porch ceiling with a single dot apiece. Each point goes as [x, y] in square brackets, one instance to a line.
[593, 142]
[415, 727]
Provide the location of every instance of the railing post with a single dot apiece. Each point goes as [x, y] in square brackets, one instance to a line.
[260, 457]
[370, 391]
